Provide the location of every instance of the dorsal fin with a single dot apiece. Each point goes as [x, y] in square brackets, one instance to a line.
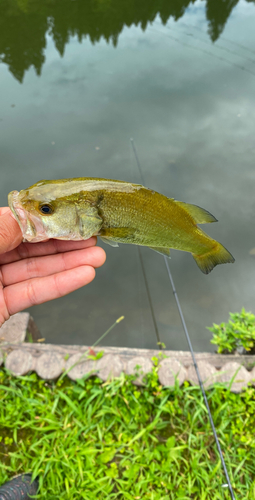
[200, 215]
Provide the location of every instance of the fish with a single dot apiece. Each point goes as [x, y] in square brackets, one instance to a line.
[117, 212]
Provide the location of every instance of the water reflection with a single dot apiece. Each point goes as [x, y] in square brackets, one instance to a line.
[217, 13]
[25, 23]
[189, 105]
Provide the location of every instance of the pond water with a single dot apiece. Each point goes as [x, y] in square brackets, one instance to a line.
[78, 80]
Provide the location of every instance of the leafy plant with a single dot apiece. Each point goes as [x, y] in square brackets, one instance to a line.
[238, 334]
[114, 441]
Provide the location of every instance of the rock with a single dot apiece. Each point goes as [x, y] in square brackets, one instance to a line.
[18, 327]
[49, 365]
[207, 372]
[169, 370]
[145, 366]
[252, 376]
[109, 366]
[14, 330]
[81, 366]
[19, 362]
[240, 374]
[1, 357]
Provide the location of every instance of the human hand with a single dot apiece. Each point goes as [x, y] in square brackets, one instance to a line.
[33, 273]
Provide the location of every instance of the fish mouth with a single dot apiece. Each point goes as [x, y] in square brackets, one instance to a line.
[31, 226]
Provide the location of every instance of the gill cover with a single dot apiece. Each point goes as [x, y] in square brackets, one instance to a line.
[88, 220]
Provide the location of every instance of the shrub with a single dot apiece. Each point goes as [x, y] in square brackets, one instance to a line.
[236, 335]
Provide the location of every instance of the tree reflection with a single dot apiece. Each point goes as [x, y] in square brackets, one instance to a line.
[24, 24]
[217, 13]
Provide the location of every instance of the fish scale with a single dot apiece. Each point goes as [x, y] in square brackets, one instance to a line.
[161, 226]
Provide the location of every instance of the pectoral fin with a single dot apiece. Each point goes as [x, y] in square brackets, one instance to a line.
[118, 234]
[89, 222]
[163, 251]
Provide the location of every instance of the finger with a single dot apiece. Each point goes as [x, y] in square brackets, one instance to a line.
[36, 291]
[3, 210]
[45, 266]
[10, 233]
[50, 247]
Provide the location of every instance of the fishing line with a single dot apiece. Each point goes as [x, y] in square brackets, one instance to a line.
[206, 42]
[191, 351]
[142, 263]
[243, 47]
[207, 52]
[149, 295]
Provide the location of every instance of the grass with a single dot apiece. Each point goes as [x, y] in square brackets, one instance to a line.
[88, 440]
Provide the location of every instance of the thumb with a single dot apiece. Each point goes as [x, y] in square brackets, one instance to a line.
[10, 233]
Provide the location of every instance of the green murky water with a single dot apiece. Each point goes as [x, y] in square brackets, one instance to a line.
[78, 80]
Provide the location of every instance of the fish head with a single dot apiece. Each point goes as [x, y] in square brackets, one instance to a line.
[42, 212]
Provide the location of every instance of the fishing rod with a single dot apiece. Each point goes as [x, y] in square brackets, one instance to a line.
[191, 349]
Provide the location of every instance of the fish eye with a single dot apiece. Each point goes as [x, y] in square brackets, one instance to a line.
[46, 209]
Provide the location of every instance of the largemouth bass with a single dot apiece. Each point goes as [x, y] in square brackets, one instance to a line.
[118, 212]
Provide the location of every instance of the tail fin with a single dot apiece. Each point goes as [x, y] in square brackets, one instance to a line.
[218, 255]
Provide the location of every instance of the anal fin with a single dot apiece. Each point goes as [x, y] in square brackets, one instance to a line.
[162, 250]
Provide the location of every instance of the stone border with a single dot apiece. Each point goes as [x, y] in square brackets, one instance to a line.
[18, 328]
[49, 361]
